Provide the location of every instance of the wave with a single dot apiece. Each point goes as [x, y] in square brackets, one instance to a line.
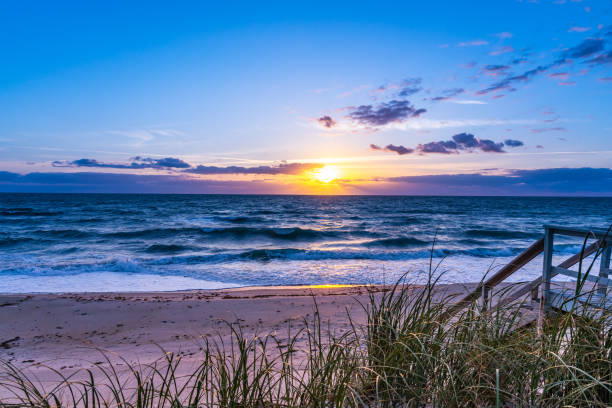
[9, 242]
[64, 233]
[27, 212]
[240, 219]
[501, 234]
[166, 248]
[400, 242]
[295, 254]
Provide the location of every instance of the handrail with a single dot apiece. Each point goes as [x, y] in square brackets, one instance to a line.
[483, 288]
[517, 263]
[578, 232]
[568, 263]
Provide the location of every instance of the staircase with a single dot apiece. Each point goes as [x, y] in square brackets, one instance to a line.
[576, 297]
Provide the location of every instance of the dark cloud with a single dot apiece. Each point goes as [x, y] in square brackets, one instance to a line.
[513, 143]
[409, 87]
[469, 141]
[448, 94]
[171, 162]
[507, 82]
[602, 59]
[460, 142]
[401, 150]
[541, 182]
[442, 147]
[490, 146]
[385, 113]
[586, 48]
[90, 182]
[137, 163]
[283, 168]
[495, 69]
[466, 140]
[327, 121]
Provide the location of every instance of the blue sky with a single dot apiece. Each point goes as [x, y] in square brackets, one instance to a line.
[237, 92]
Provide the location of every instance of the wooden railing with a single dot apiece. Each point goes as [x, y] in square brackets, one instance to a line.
[604, 243]
[483, 289]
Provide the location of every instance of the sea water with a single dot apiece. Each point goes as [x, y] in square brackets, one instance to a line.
[106, 242]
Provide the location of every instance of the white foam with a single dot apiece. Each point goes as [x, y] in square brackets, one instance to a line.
[105, 282]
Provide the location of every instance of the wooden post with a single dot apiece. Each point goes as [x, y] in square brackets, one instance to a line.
[535, 293]
[546, 269]
[604, 266]
[485, 296]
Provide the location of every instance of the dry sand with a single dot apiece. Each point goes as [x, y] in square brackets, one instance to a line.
[64, 330]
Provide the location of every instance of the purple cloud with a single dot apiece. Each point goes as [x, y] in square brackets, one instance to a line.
[461, 142]
[283, 168]
[137, 163]
[586, 48]
[385, 113]
[327, 121]
[513, 143]
[401, 150]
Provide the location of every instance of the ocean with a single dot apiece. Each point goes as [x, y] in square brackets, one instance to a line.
[107, 242]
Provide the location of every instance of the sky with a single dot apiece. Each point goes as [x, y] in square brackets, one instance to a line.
[439, 97]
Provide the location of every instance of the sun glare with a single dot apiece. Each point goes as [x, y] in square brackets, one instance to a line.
[326, 174]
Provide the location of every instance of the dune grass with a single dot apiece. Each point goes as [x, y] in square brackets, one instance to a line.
[409, 353]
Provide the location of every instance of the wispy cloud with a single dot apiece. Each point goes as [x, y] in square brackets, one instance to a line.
[502, 50]
[577, 29]
[544, 130]
[474, 43]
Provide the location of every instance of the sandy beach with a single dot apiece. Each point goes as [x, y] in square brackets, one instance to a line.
[63, 331]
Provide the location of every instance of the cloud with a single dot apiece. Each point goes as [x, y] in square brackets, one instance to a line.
[385, 113]
[504, 35]
[561, 75]
[448, 94]
[474, 43]
[513, 143]
[283, 168]
[540, 182]
[327, 121]
[577, 29]
[91, 182]
[137, 163]
[460, 142]
[407, 87]
[490, 146]
[507, 82]
[467, 101]
[590, 47]
[401, 150]
[602, 59]
[502, 50]
[543, 130]
[441, 147]
[586, 48]
[174, 163]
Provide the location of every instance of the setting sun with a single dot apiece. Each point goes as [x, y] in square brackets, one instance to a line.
[326, 174]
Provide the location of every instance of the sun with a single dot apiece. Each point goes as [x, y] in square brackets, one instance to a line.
[326, 174]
